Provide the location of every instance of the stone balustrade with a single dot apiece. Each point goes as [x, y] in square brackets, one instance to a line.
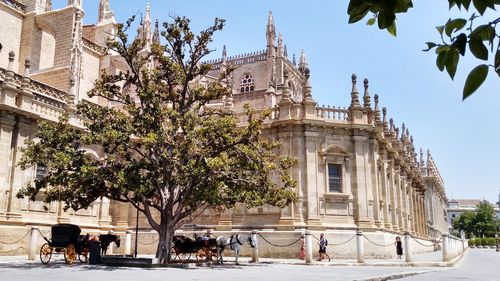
[332, 113]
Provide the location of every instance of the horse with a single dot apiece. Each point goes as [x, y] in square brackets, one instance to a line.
[106, 240]
[234, 242]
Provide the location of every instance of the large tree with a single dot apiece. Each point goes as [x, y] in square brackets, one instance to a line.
[166, 152]
[485, 223]
[481, 223]
[456, 34]
[465, 222]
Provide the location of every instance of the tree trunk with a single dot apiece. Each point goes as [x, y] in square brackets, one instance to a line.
[164, 248]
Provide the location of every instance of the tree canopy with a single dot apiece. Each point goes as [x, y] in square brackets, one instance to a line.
[476, 32]
[481, 223]
[167, 152]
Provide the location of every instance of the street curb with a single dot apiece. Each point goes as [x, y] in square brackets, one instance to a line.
[396, 276]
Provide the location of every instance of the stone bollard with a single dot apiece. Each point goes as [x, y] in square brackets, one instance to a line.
[255, 249]
[128, 242]
[407, 247]
[444, 247]
[360, 250]
[309, 250]
[32, 252]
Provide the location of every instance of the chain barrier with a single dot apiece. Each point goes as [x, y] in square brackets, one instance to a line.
[317, 239]
[337, 244]
[342, 243]
[376, 244]
[276, 245]
[17, 241]
[432, 245]
[43, 236]
[13, 250]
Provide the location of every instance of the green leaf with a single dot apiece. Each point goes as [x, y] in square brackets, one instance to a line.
[385, 19]
[371, 21]
[357, 10]
[460, 43]
[454, 25]
[466, 4]
[474, 80]
[430, 45]
[392, 29]
[485, 32]
[440, 29]
[403, 6]
[477, 48]
[452, 59]
[441, 60]
[480, 5]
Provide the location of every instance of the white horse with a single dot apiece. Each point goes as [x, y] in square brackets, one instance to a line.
[234, 242]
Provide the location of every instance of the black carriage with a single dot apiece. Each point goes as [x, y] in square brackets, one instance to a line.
[201, 247]
[66, 238]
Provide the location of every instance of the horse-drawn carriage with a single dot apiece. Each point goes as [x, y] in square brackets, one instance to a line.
[201, 247]
[207, 247]
[66, 239]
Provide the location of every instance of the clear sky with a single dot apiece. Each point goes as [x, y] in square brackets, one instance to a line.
[463, 136]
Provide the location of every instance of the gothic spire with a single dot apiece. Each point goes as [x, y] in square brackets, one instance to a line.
[303, 62]
[280, 45]
[224, 54]
[294, 62]
[144, 31]
[366, 98]
[270, 35]
[103, 10]
[285, 52]
[156, 34]
[354, 92]
[376, 110]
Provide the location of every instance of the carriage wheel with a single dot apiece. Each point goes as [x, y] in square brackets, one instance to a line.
[84, 256]
[173, 254]
[45, 253]
[70, 254]
[184, 257]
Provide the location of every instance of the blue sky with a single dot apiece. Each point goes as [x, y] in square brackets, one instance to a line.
[463, 136]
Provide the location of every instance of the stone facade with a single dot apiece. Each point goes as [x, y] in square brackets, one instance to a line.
[356, 170]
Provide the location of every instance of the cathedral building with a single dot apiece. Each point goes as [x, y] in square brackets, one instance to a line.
[356, 169]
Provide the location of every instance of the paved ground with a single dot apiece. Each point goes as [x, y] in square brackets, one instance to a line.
[229, 272]
[477, 264]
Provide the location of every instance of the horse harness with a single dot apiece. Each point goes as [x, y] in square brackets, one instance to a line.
[237, 240]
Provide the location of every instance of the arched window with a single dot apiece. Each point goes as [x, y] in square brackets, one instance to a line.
[247, 83]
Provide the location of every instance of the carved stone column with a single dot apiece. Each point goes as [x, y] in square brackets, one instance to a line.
[385, 197]
[309, 172]
[362, 183]
[7, 123]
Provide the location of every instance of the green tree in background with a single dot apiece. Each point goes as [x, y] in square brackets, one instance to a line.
[476, 32]
[465, 222]
[485, 223]
[166, 152]
[480, 223]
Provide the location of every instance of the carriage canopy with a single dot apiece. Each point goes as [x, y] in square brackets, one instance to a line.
[65, 234]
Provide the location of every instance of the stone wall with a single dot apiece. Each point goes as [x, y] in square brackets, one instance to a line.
[11, 23]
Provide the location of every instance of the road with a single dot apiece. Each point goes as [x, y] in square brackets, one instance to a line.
[477, 264]
[229, 272]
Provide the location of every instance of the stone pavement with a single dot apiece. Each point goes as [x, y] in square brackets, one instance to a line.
[477, 264]
[17, 268]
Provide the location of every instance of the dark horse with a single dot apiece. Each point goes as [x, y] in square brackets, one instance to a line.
[106, 240]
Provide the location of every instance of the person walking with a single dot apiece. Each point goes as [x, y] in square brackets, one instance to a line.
[322, 246]
[399, 247]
